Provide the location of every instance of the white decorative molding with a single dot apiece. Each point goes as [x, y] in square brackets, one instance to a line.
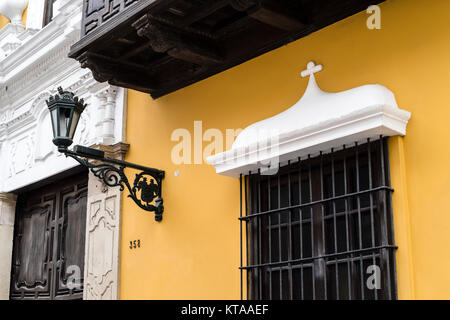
[58, 6]
[318, 122]
[29, 74]
[45, 147]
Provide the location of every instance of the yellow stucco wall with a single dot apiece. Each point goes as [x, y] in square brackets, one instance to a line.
[24, 16]
[194, 252]
[3, 21]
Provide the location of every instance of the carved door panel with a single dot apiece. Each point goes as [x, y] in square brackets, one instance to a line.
[49, 241]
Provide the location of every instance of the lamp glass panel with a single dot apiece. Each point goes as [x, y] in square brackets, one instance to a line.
[74, 124]
[64, 118]
[54, 115]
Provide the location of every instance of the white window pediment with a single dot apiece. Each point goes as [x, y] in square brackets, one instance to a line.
[318, 122]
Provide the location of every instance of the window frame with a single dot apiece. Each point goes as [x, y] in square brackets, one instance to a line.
[382, 250]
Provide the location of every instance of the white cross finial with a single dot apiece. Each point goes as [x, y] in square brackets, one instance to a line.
[311, 69]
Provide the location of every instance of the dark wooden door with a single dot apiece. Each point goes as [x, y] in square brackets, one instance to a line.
[48, 256]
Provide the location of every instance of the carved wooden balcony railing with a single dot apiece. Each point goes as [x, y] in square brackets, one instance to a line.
[159, 46]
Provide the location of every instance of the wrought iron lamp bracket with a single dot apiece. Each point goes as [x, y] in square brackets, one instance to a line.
[146, 190]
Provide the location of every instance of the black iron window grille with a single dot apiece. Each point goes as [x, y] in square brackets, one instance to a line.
[321, 228]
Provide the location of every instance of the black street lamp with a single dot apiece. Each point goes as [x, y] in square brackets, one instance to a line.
[65, 110]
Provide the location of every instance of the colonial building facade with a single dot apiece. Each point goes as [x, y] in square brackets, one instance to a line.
[304, 145]
[53, 203]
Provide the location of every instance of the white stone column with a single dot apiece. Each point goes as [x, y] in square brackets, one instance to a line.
[35, 14]
[106, 111]
[100, 114]
[7, 214]
[110, 110]
[102, 253]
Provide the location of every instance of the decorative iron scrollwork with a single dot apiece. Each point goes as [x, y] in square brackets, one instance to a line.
[148, 186]
[146, 191]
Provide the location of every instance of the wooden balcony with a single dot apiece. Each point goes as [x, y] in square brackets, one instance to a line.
[159, 46]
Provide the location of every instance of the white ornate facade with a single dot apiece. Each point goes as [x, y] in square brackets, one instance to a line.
[33, 63]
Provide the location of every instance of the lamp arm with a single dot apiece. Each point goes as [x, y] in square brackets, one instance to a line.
[147, 194]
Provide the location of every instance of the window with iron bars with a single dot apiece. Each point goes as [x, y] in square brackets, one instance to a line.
[321, 228]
